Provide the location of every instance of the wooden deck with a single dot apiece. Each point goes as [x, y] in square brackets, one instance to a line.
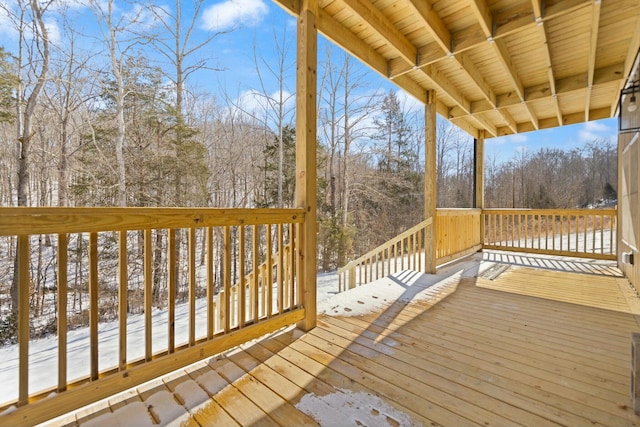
[510, 347]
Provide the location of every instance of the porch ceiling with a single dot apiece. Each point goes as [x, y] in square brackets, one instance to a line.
[499, 66]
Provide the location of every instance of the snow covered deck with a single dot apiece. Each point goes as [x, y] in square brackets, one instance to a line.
[495, 339]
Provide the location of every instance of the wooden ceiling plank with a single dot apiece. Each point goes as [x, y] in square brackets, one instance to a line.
[484, 124]
[476, 77]
[521, 17]
[634, 45]
[485, 19]
[344, 38]
[385, 29]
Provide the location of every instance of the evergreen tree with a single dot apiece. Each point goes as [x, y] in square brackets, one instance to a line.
[269, 197]
[398, 204]
[8, 83]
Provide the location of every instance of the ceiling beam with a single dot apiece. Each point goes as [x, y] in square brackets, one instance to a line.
[384, 28]
[568, 119]
[483, 14]
[593, 45]
[602, 77]
[538, 13]
[506, 22]
[347, 40]
[434, 24]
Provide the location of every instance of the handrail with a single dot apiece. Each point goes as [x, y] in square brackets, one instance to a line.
[214, 234]
[408, 248]
[587, 233]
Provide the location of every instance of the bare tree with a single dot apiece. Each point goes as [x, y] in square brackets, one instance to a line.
[120, 40]
[33, 62]
[345, 105]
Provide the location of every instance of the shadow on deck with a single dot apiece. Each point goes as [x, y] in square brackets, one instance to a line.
[525, 344]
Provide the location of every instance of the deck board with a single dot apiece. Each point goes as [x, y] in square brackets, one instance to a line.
[533, 346]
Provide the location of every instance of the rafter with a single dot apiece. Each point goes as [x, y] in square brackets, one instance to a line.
[497, 29]
[538, 13]
[593, 45]
[344, 38]
[482, 12]
[505, 59]
[602, 77]
[433, 23]
[385, 29]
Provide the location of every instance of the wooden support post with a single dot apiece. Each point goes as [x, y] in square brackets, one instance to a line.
[478, 152]
[306, 181]
[430, 198]
[478, 183]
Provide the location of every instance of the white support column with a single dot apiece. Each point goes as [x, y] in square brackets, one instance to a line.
[430, 198]
[306, 179]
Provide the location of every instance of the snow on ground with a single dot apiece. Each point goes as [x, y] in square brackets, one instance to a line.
[43, 353]
[405, 286]
[348, 408]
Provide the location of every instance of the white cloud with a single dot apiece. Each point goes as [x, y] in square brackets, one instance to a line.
[516, 138]
[252, 103]
[53, 31]
[595, 130]
[233, 13]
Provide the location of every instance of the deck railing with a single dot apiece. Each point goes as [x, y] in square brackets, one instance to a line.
[589, 233]
[457, 234]
[203, 252]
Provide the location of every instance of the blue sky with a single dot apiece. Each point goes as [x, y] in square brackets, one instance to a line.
[248, 26]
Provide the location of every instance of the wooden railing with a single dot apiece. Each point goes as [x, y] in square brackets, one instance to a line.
[219, 247]
[589, 233]
[457, 234]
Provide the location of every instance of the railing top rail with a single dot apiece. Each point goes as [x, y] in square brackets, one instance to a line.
[401, 236]
[584, 211]
[52, 220]
[458, 211]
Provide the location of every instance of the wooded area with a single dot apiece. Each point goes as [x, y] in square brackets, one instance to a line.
[118, 119]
